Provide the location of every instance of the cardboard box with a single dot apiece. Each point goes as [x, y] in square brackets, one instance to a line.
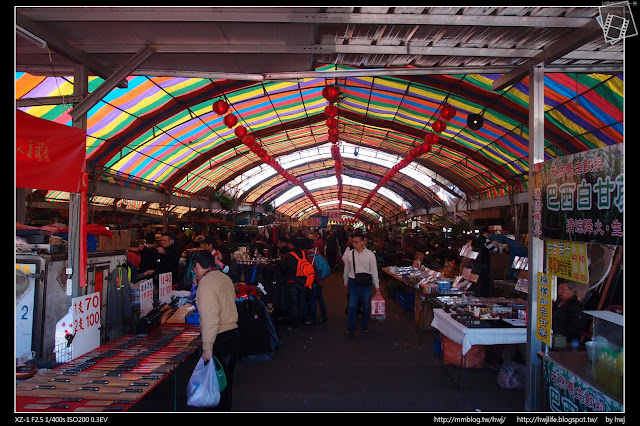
[125, 239]
[104, 243]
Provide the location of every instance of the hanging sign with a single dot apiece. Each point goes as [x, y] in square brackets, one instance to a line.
[543, 320]
[332, 214]
[580, 197]
[165, 287]
[567, 259]
[318, 221]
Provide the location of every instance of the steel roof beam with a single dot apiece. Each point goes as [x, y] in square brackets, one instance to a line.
[297, 15]
[556, 50]
[110, 83]
[65, 49]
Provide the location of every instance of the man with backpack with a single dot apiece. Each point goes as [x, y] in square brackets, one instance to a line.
[316, 299]
[296, 275]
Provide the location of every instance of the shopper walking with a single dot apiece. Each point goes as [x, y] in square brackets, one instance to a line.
[296, 300]
[316, 300]
[332, 249]
[215, 300]
[360, 260]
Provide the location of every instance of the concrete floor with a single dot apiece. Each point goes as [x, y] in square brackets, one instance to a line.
[391, 369]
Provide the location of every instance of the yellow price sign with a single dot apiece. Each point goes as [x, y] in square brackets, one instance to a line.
[543, 320]
[567, 259]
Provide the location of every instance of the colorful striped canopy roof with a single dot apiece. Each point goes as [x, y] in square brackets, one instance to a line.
[162, 131]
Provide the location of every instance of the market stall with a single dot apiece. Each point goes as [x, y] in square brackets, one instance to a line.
[133, 373]
[582, 236]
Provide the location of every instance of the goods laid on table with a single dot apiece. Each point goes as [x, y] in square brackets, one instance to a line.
[124, 369]
[484, 312]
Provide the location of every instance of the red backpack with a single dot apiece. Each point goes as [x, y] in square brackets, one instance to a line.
[304, 269]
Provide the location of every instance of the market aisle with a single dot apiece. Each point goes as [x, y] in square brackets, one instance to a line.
[389, 369]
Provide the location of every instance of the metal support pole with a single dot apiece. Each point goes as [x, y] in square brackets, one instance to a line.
[534, 386]
[81, 83]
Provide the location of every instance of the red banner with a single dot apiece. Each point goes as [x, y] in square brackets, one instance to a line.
[48, 155]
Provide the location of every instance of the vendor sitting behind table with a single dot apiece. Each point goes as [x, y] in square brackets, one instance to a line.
[568, 318]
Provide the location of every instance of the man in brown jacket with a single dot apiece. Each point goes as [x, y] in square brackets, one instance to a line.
[215, 300]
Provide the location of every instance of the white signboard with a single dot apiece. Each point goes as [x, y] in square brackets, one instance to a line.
[165, 287]
[24, 311]
[146, 297]
[86, 324]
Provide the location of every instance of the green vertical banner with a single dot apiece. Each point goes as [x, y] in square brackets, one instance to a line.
[580, 197]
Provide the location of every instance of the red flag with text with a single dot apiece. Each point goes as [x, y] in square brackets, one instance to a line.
[49, 155]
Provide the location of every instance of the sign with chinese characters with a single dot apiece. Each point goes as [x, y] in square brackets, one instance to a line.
[580, 197]
[86, 324]
[567, 259]
[332, 214]
[318, 221]
[146, 297]
[569, 393]
[165, 287]
[543, 320]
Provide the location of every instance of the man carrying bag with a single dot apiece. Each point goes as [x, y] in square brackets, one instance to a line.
[360, 274]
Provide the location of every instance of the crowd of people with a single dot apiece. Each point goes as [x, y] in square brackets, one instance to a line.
[206, 276]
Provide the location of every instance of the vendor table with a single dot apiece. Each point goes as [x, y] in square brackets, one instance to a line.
[570, 386]
[468, 337]
[143, 372]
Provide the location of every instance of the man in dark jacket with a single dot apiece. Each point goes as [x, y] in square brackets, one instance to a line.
[484, 247]
[332, 249]
[296, 302]
[567, 318]
[168, 256]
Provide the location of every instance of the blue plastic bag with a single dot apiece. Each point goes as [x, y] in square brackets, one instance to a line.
[203, 389]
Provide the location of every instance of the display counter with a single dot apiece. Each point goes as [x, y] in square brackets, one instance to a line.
[570, 385]
[469, 336]
[143, 372]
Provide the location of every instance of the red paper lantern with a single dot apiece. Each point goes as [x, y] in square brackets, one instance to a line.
[331, 110]
[331, 93]
[439, 126]
[447, 112]
[431, 138]
[240, 131]
[255, 147]
[425, 147]
[266, 158]
[248, 140]
[335, 151]
[230, 120]
[261, 152]
[334, 132]
[332, 123]
[333, 139]
[220, 107]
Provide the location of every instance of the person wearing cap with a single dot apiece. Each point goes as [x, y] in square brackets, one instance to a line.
[208, 243]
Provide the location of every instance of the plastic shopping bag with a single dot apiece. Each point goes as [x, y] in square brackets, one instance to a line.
[203, 389]
[378, 308]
